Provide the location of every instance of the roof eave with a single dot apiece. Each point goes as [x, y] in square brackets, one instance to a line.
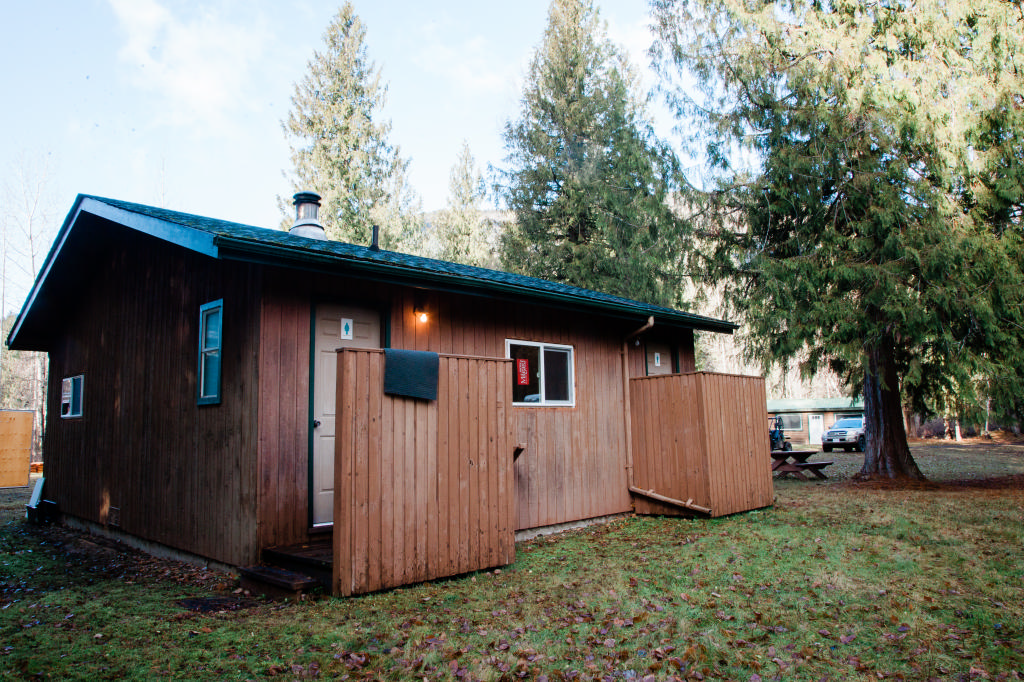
[244, 249]
[186, 237]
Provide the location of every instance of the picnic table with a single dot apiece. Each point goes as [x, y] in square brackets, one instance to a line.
[786, 462]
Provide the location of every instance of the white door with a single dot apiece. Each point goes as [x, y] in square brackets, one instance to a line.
[336, 327]
[815, 427]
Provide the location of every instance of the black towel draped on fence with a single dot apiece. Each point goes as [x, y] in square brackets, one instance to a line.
[411, 373]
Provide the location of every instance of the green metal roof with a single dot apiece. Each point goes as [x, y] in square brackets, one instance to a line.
[235, 241]
[816, 405]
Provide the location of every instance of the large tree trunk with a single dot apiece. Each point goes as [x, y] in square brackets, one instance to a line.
[887, 454]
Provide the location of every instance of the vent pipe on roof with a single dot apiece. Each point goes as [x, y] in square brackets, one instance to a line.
[374, 245]
[307, 210]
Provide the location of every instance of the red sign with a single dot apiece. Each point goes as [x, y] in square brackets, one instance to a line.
[523, 372]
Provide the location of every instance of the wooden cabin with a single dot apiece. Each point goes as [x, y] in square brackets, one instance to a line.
[221, 390]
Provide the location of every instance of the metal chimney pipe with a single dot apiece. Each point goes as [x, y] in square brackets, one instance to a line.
[307, 216]
[374, 245]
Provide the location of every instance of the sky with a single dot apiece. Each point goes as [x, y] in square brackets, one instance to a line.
[180, 103]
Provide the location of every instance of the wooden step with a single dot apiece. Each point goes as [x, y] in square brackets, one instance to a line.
[276, 582]
[312, 558]
[315, 556]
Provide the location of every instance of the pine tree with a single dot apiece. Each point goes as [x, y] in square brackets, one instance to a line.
[589, 182]
[461, 227]
[340, 145]
[877, 232]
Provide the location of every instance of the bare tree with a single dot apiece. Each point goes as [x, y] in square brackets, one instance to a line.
[28, 221]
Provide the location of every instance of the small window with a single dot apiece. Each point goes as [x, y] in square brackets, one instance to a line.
[542, 373]
[792, 422]
[210, 324]
[71, 396]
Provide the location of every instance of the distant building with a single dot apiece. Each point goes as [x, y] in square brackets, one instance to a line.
[805, 419]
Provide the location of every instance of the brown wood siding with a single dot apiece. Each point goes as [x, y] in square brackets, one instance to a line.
[680, 341]
[144, 457]
[687, 351]
[574, 466]
[423, 488]
[698, 436]
[283, 420]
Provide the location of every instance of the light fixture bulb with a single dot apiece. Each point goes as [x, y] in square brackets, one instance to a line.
[422, 315]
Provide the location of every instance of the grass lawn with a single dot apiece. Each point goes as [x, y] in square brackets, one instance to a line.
[837, 581]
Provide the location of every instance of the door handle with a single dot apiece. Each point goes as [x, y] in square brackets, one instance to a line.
[316, 423]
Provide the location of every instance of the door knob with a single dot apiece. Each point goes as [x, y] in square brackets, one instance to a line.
[316, 423]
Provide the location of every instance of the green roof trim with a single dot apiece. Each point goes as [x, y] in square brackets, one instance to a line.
[816, 405]
[235, 241]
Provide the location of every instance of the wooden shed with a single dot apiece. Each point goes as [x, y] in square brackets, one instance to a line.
[222, 390]
[15, 447]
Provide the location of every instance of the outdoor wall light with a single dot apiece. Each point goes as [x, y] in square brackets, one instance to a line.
[421, 314]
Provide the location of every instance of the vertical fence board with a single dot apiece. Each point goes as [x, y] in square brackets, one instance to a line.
[390, 471]
[376, 484]
[489, 502]
[341, 583]
[360, 474]
[463, 457]
[454, 497]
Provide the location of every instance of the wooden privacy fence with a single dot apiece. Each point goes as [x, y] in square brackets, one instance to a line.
[423, 489]
[15, 447]
[700, 437]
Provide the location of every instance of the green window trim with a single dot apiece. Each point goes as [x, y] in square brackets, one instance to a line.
[71, 396]
[211, 323]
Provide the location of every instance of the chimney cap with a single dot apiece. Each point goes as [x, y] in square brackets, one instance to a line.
[306, 197]
[307, 222]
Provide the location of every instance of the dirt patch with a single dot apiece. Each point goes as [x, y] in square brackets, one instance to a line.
[1012, 482]
[82, 547]
[216, 604]
[102, 557]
